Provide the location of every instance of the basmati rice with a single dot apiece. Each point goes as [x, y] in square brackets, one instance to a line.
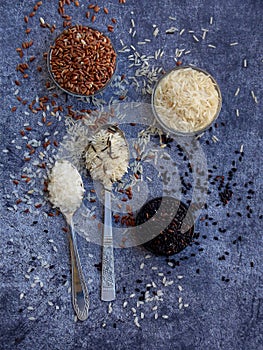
[186, 100]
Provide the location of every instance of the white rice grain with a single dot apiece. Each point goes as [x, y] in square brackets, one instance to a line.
[156, 31]
[181, 31]
[110, 308]
[237, 91]
[137, 322]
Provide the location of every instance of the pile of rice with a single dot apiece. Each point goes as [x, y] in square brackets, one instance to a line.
[107, 156]
[65, 187]
[186, 100]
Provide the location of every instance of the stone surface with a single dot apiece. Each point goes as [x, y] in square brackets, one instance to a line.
[221, 314]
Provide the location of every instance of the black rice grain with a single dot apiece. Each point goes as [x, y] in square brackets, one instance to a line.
[167, 240]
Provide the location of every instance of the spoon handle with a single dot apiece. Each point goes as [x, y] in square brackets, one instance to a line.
[108, 277]
[80, 295]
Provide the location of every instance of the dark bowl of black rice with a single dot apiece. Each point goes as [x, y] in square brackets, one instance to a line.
[168, 225]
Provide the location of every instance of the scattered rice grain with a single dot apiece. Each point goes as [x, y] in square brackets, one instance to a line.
[237, 91]
[110, 308]
[181, 31]
[136, 322]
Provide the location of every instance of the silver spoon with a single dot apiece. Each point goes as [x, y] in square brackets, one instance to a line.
[66, 192]
[107, 158]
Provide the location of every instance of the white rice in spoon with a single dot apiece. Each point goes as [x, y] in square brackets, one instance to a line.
[65, 187]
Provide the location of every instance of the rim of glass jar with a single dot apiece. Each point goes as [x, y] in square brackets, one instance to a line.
[187, 133]
[68, 91]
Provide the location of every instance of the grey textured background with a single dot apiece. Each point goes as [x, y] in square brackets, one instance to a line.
[221, 315]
